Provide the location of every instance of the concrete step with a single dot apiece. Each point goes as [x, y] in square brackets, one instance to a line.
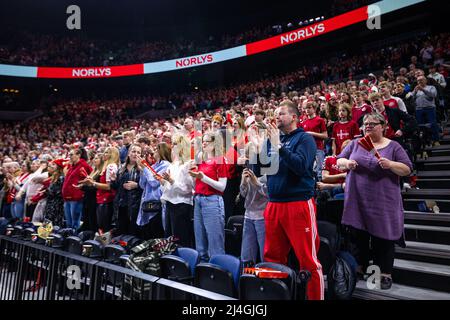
[426, 233]
[412, 204]
[424, 183]
[433, 166]
[434, 159]
[441, 219]
[397, 292]
[424, 252]
[422, 274]
[440, 174]
[443, 194]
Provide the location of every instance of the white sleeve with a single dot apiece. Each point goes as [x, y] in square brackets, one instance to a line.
[218, 185]
[110, 169]
[401, 104]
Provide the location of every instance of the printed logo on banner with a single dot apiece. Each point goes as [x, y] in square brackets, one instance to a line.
[91, 72]
[301, 34]
[193, 61]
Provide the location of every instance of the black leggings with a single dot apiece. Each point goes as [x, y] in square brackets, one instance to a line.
[104, 216]
[181, 225]
[382, 251]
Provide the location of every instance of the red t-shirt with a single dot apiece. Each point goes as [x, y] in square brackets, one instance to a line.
[330, 164]
[391, 103]
[316, 124]
[358, 112]
[344, 131]
[105, 196]
[215, 168]
[389, 133]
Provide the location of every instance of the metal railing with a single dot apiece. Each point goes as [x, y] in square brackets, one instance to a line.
[30, 271]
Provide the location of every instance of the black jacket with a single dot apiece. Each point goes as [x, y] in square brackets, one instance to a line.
[130, 199]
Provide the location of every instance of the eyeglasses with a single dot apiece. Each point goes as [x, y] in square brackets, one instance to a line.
[371, 124]
[207, 141]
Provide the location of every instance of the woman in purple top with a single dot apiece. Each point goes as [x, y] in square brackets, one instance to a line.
[373, 203]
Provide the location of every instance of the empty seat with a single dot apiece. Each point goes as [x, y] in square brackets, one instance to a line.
[113, 252]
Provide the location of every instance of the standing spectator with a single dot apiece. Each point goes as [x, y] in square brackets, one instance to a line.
[290, 216]
[360, 108]
[373, 203]
[128, 137]
[344, 129]
[129, 193]
[105, 194]
[78, 170]
[254, 190]
[150, 221]
[209, 212]
[54, 208]
[315, 126]
[424, 96]
[177, 187]
[390, 101]
[17, 206]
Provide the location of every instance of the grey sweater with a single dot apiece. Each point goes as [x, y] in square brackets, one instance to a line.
[425, 98]
[255, 198]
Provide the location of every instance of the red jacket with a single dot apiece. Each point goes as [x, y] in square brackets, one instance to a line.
[73, 176]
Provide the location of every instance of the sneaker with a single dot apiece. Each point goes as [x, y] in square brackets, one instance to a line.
[436, 144]
[436, 209]
[386, 283]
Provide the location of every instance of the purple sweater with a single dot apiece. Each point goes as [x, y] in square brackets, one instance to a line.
[373, 200]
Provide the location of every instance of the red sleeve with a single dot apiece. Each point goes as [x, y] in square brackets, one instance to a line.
[326, 164]
[222, 170]
[323, 127]
[355, 129]
[333, 135]
[229, 120]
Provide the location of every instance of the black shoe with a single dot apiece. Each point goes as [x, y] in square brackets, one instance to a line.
[386, 283]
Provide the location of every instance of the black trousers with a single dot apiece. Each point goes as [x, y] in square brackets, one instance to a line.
[104, 216]
[30, 210]
[181, 224]
[127, 222]
[153, 229]
[381, 250]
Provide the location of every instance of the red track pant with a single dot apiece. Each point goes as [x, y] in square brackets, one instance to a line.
[293, 224]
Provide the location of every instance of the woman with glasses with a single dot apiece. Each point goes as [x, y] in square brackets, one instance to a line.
[373, 205]
[177, 192]
[210, 183]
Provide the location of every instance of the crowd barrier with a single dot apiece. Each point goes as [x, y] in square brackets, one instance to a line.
[30, 271]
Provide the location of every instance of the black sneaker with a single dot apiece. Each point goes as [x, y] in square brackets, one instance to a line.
[386, 283]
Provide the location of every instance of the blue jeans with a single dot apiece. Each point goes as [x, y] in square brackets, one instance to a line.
[428, 115]
[17, 209]
[72, 213]
[253, 236]
[320, 156]
[209, 226]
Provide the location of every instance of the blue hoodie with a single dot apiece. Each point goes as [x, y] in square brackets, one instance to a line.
[294, 180]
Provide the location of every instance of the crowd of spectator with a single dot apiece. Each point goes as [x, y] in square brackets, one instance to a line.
[148, 177]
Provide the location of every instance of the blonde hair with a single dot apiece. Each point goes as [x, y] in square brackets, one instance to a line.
[183, 146]
[113, 158]
[348, 108]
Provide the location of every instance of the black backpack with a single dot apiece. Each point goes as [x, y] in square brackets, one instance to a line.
[342, 277]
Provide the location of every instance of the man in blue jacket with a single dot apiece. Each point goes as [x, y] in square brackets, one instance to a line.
[290, 216]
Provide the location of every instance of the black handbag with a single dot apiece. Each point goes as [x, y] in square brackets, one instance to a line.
[151, 206]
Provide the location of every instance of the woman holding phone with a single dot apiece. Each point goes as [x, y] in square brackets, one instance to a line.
[210, 182]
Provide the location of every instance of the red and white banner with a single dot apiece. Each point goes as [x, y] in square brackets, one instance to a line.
[282, 40]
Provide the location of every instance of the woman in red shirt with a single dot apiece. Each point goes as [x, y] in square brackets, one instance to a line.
[105, 194]
[209, 212]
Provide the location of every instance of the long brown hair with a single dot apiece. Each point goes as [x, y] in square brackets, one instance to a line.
[165, 152]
